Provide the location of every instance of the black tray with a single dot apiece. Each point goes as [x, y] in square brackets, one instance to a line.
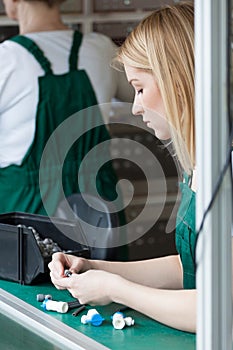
[20, 257]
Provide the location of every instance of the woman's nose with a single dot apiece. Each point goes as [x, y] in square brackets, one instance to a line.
[137, 109]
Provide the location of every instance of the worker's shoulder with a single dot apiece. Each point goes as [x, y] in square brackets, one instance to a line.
[11, 51]
[9, 54]
[98, 41]
[7, 47]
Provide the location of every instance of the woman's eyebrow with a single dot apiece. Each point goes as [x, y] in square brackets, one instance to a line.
[131, 80]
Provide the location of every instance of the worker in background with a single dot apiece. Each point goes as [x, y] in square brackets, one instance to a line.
[48, 73]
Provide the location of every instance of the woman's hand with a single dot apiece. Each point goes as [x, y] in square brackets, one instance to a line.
[61, 261]
[92, 287]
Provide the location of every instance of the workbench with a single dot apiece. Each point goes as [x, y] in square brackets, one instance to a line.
[25, 325]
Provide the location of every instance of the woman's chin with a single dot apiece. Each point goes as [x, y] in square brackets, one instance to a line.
[161, 136]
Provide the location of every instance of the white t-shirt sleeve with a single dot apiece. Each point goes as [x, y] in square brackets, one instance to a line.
[125, 91]
[18, 101]
[96, 54]
[7, 66]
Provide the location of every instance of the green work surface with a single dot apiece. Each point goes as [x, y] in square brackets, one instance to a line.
[145, 334]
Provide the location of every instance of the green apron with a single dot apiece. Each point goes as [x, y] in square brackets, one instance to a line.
[60, 96]
[186, 233]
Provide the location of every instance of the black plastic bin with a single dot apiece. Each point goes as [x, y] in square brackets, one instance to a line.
[21, 259]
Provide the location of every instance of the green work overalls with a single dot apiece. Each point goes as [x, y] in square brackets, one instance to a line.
[60, 96]
[186, 233]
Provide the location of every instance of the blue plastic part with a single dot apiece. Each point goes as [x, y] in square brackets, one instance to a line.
[43, 305]
[96, 320]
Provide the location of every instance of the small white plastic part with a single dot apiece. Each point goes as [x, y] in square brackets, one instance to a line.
[84, 319]
[92, 317]
[118, 321]
[129, 321]
[59, 306]
[91, 313]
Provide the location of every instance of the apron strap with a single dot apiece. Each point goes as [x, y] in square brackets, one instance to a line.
[77, 39]
[31, 46]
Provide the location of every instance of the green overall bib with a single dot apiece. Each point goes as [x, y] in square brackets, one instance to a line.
[60, 96]
[186, 233]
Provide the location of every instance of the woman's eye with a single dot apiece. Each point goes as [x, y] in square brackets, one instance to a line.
[139, 91]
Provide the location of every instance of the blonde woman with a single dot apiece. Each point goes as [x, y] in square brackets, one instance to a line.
[158, 58]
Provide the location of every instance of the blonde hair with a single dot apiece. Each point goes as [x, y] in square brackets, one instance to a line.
[163, 44]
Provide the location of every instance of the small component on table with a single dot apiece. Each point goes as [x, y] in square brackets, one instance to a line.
[92, 317]
[80, 309]
[59, 306]
[42, 297]
[119, 321]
